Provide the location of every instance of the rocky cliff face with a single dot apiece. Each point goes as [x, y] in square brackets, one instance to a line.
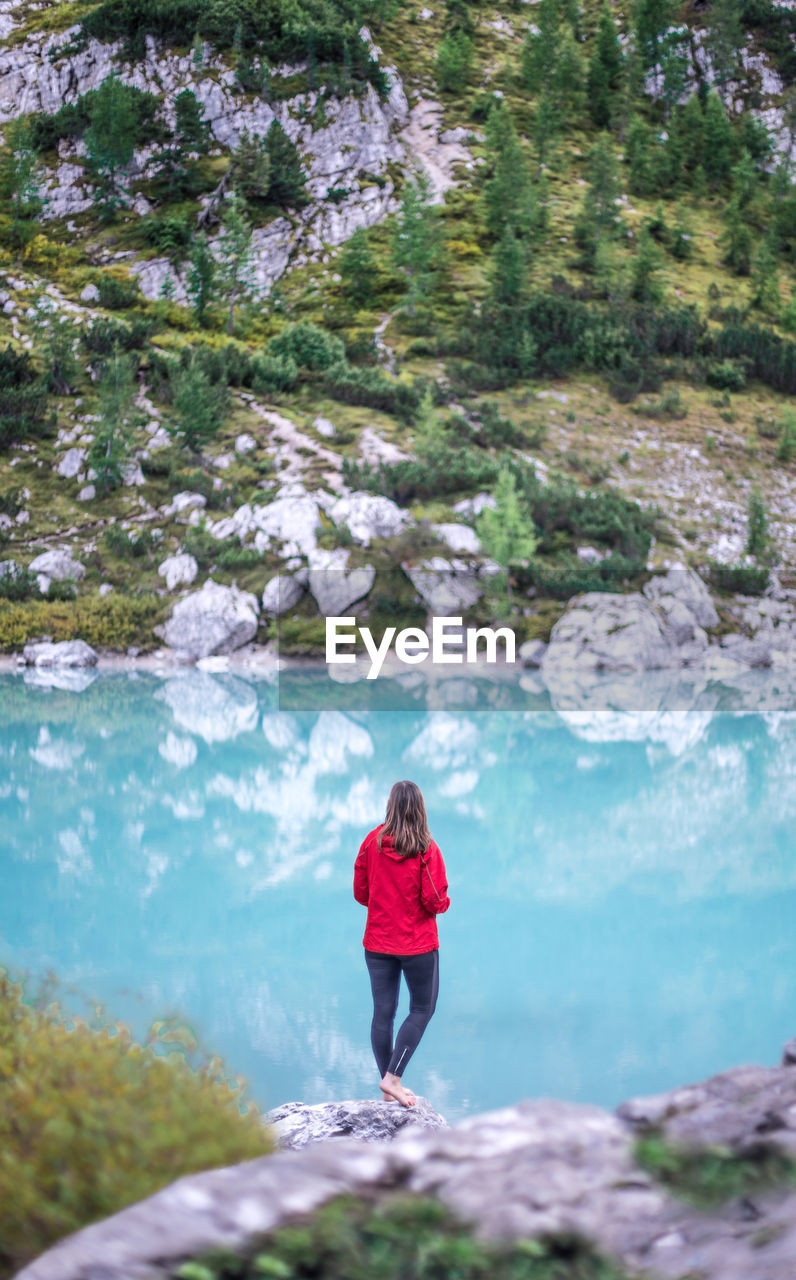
[539, 1168]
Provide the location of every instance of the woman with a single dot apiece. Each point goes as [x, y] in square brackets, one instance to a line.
[400, 877]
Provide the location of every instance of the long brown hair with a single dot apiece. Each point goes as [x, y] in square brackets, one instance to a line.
[406, 820]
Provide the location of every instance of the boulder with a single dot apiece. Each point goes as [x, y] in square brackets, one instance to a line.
[324, 427]
[446, 586]
[185, 501]
[756, 652]
[215, 619]
[239, 525]
[178, 570]
[297, 1124]
[56, 566]
[334, 586]
[89, 294]
[9, 569]
[65, 653]
[369, 516]
[470, 508]
[532, 652]
[71, 463]
[686, 587]
[87, 493]
[608, 631]
[245, 443]
[459, 537]
[291, 520]
[282, 592]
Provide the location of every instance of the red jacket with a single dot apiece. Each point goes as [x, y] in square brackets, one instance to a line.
[403, 896]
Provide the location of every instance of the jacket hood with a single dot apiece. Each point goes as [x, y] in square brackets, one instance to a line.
[389, 849]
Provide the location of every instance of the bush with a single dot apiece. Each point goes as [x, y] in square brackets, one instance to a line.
[18, 584]
[454, 62]
[103, 336]
[129, 546]
[310, 346]
[117, 295]
[726, 375]
[91, 1122]
[74, 118]
[23, 398]
[741, 579]
[111, 622]
[370, 387]
[440, 471]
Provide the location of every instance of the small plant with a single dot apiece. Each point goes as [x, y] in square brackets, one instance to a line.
[758, 538]
[710, 443]
[709, 1176]
[787, 440]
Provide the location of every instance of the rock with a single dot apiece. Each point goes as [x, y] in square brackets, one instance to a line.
[245, 443]
[178, 570]
[607, 631]
[333, 585]
[291, 519]
[369, 516]
[324, 427]
[590, 555]
[131, 473]
[71, 463]
[66, 653]
[216, 619]
[459, 537]
[685, 586]
[9, 569]
[789, 1053]
[185, 501]
[105, 589]
[531, 653]
[87, 493]
[282, 593]
[750, 653]
[239, 525]
[472, 507]
[56, 566]
[89, 294]
[296, 1124]
[447, 587]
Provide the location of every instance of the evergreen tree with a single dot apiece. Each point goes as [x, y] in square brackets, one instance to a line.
[508, 195]
[599, 220]
[358, 269]
[235, 257]
[639, 148]
[605, 67]
[688, 124]
[59, 337]
[765, 279]
[508, 270]
[725, 39]
[758, 536]
[113, 435]
[553, 70]
[200, 404]
[736, 241]
[675, 67]
[191, 128]
[21, 181]
[507, 531]
[652, 19]
[415, 243]
[645, 285]
[716, 140]
[202, 277]
[786, 445]
[454, 61]
[251, 170]
[288, 180]
[110, 142]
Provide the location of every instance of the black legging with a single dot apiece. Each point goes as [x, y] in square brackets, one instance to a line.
[422, 978]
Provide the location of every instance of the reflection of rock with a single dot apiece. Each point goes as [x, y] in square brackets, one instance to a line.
[334, 737]
[66, 653]
[334, 586]
[446, 586]
[672, 708]
[181, 752]
[297, 1124]
[216, 619]
[70, 679]
[55, 753]
[215, 707]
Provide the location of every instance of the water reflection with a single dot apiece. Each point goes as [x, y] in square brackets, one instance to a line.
[622, 867]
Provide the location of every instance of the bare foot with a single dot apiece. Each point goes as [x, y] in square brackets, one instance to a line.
[391, 1087]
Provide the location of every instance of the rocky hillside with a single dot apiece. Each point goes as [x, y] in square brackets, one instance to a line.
[388, 304]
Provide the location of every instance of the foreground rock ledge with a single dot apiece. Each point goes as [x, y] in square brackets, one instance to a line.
[539, 1167]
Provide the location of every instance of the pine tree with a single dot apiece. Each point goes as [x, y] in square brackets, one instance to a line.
[21, 181]
[200, 404]
[454, 61]
[358, 269]
[605, 67]
[507, 531]
[652, 19]
[508, 193]
[110, 142]
[736, 241]
[191, 128]
[645, 285]
[553, 70]
[639, 147]
[689, 125]
[113, 435]
[765, 279]
[758, 536]
[288, 180]
[415, 243]
[251, 170]
[599, 220]
[235, 257]
[202, 277]
[508, 270]
[716, 140]
[725, 39]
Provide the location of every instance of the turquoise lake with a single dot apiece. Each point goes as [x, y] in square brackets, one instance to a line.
[623, 885]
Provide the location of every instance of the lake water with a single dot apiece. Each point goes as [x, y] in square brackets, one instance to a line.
[623, 885]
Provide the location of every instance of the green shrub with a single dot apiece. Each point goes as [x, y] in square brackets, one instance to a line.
[102, 336]
[726, 375]
[402, 1236]
[91, 1122]
[23, 398]
[18, 584]
[129, 545]
[308, 345]
[710, 1176]
[74, 118]
[111, 622]
[370, 387]
[117, 295]
[454, 61]
[441, 471]
[743, 579]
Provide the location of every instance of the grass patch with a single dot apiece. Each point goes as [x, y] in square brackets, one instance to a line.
[110, 622]
[709, 1176]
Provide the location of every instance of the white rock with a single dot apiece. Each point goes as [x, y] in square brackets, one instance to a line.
[238, 525]
[324, 427]
[87, 493]
[66, 653]
[105, 589]
[590, 555]
[56, 566]
[292, 520]
[71, 463]
[178, 570]
[216, 619]
[447, 587]
[608, 631]
[459, 537]
[472, 507]
[131, 473]
[369, 516]
[282, 592]
[687, 587]
[532, 652]
[185, 501]
[333, 585]
[245, 443]
[90, 293]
